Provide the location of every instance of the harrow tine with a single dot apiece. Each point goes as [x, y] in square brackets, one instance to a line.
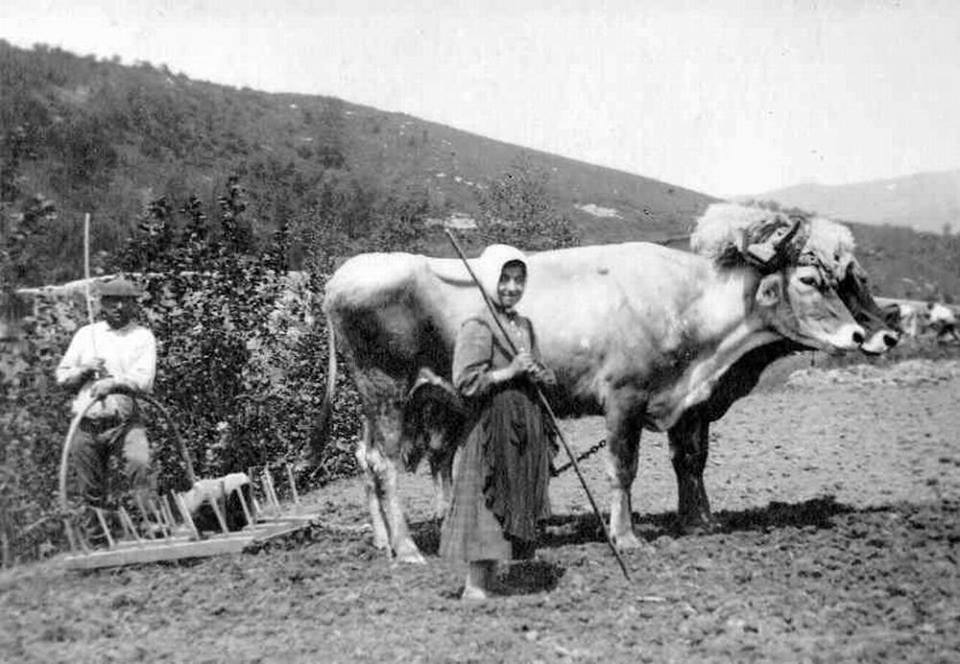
[167, 512]
[216, 510]
[185, 514]
[265, 488]
[81, 537]
[251, 473]
[104, 527]
[144, 517]
[71, 538]
[274, 496]
[243, 504]
[293, 484]
[160, 517]
[128, 526]
[271, 491]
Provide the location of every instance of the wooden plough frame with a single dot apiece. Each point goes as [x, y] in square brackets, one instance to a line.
[264, 521]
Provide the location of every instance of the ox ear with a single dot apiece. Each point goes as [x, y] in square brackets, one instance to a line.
[770, 291]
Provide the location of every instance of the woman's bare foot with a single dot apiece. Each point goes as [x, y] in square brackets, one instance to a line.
[480, 574]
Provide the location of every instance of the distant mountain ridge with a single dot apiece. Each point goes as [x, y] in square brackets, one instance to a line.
[924, 202]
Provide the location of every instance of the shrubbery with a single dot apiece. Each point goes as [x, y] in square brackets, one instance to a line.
[241, 367]
[33, 420]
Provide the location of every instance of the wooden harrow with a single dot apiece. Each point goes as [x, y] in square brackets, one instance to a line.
[175, 532]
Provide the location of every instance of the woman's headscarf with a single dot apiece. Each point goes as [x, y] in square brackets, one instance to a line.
[490, 266]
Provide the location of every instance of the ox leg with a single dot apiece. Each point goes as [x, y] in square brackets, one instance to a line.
[441, 469]
[623, 442]
[689, 446]
[371, 463]
[389, 426]
[404, 548]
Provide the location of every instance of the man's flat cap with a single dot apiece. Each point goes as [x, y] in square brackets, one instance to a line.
[119, 288]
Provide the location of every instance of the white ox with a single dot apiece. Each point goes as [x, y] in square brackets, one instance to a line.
[647, 336]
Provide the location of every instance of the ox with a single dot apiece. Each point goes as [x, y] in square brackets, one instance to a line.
[646, 336]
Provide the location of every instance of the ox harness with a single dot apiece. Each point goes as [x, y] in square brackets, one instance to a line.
[590, 451]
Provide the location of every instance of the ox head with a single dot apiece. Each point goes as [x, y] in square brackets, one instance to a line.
[882, 327]
[797, 262]
[826, 303]
[802, 304]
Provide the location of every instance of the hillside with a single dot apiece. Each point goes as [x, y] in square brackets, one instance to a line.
[906, 264]
[97, 136]
[100, 137]
[923, 201]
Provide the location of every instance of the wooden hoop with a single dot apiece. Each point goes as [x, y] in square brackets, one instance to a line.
[142, 396]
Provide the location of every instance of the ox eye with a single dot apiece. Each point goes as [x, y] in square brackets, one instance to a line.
[810, 281]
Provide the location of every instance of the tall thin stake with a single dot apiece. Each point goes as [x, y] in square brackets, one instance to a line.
[86, 266]
[546, 407]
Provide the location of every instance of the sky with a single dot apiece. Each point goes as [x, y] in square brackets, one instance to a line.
[721, 97]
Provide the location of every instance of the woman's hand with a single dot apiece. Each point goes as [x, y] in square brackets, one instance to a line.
[522, 364]
[542, 375]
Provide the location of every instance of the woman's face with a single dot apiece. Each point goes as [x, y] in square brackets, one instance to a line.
[513, 279]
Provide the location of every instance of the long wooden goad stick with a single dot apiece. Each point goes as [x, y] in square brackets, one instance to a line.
[546, 407]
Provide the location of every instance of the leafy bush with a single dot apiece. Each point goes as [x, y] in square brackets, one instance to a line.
[33, 418]
[241, 367]
[517, 210]
[242, 356]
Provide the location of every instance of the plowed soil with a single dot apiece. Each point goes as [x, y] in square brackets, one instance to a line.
[839, 495]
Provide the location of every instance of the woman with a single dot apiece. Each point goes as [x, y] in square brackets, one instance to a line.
[502, 469]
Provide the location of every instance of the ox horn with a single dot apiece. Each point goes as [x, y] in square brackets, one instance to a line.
[771, 252]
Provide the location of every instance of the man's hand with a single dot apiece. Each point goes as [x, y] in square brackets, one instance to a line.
[103, 387]
[94, 369]
[86, 372]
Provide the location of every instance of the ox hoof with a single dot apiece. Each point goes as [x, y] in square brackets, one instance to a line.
[696, 527]
[628, 542]
[472, 594]
[410, 555]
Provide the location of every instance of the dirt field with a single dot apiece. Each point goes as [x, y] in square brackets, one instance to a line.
[840, 497]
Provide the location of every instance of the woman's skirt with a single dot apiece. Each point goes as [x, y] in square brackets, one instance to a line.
[500, 481]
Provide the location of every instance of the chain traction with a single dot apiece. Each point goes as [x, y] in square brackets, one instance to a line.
[554, 472]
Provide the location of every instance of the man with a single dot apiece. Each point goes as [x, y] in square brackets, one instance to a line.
[115, 353]
[942, 321]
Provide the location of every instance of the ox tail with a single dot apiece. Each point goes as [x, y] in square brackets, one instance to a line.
[320, 433]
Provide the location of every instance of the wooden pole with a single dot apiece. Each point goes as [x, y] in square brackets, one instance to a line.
[86, 268]
[546, 407]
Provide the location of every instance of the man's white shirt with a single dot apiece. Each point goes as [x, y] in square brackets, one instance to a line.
[129, 355]
[941, 314]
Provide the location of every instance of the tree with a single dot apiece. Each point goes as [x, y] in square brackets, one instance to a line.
[22, 240]
[517, 210]
[241, 352]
